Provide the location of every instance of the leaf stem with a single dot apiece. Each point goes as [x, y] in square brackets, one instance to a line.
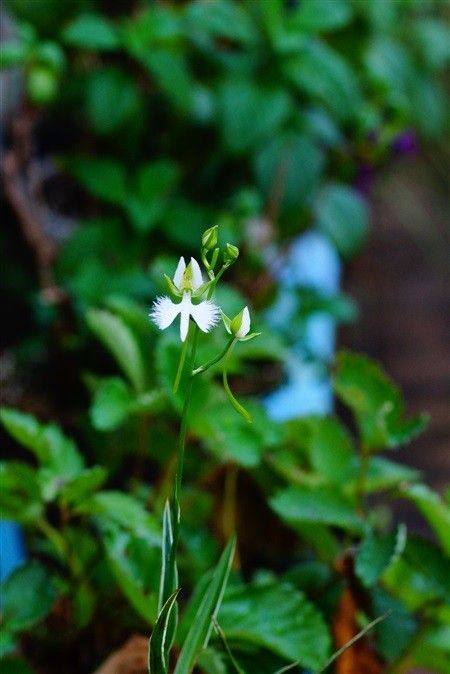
[222, 354]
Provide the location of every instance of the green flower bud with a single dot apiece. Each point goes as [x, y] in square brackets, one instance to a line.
[210, 238]
[230, 254]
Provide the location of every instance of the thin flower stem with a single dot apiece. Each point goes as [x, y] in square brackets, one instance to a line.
[181, 364]
[237, 405]
[222, 354]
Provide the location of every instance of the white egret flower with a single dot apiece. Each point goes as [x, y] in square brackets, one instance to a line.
[239, 326]
[186, 283]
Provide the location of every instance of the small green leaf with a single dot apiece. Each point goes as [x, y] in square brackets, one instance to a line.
[320, 15]
[375, 401]
[149, 199]
[27, 596]
[83, 485]
[159, 640]
[104, 178]
[377, 553]
[297, 504]
[25, 429]
[112, 404]
[200, 630]
[112, 99]
[119, 339]
[434, 509]
[20, 493]
[343, 215]
[122, 509]
[91, 31]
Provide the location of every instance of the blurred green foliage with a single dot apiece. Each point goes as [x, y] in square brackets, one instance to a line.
[165, 118]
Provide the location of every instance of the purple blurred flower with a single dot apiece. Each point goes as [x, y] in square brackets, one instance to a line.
[404, 143]
[364, 178]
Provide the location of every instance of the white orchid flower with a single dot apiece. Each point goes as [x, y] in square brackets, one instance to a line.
[186, 282]
[239, 326]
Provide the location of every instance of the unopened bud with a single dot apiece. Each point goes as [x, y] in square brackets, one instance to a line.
[230, 254]
[210, 238]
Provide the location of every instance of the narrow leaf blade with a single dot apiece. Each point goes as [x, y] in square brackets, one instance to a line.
[157, 648]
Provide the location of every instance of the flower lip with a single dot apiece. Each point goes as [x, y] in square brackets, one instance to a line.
[164, 312]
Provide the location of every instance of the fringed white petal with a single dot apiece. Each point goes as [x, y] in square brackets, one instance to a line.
[164, 312]
[185, 312]
[197, 278]
[178, 276]
[206, 314]
[245, 324]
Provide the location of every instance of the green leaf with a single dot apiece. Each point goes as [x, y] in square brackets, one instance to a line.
[148, 201]
[325, 505]
[329, 446]
[343, 215]
[83, 485]
[60, 461]
[375, 401]
[112, 98]
[206, 21]
[170, 72]
[13, 54]
[377, 553]
[91, 31]
[112, 404]
[277, 617]
[249, 113]
[118, 338]
[320, 15]
[296, 163]
[134, 561]
[433, 508]
[168, 578]
[157, 650]
[389, 66]
[200, 630]
[20, 493]
[394, 634]
[116, 507]
[27, 596]
[104, 178]
[324, 75]
[432, 36]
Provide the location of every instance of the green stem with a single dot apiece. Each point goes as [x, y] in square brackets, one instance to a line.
[60, 544]
[181, 364]
[222, 354]
[237, 405]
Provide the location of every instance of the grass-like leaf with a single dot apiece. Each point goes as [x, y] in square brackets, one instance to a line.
[159, 640]
[200, 630]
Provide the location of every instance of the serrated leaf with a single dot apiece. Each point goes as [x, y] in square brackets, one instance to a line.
[112, 404]
[276, 617]
[377, 553]
[343, 215]
[297, 504]
[200, 630]
[157, 650]
[27, 596]
[375, 401]
[119, 339]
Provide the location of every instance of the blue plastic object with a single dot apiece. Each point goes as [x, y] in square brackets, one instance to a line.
[311, 261]
[12, 549]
